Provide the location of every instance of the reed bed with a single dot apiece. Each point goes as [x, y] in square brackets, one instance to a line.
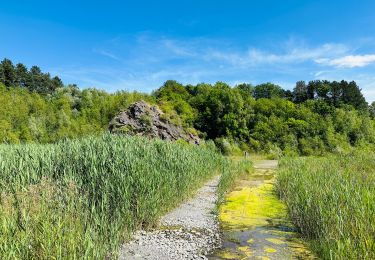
[79, 199]
[332, 201]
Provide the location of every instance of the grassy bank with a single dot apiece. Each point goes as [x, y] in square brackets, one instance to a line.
[79, 199]
[331, 201]
[238, 168]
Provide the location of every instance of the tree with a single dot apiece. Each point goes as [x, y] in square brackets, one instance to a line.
[23, 77]
[7, 73]
[352, 95]
[322, 89]
[36, 78]
[335, 93]
[372, 109]
[173, 99]
[56, 83]
[246, 89]
[170, 90]
[288, 95]
[219, 108]
[267, 90]
[300, 92]
[311, 90]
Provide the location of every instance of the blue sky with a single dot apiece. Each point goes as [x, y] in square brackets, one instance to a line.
[137, 45]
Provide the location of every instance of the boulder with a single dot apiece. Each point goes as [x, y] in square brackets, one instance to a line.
[144, 119]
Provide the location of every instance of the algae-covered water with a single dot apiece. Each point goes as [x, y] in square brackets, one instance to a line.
[255, 223]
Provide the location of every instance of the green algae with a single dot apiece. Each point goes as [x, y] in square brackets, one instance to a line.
[229, 254]
[268, 249]
[245, 250]
[255, 223]
[251, 206]
[276, 241]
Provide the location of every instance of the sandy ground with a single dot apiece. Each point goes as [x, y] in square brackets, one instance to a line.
[190, 231]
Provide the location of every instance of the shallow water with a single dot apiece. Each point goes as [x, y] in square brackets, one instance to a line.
[254, 221]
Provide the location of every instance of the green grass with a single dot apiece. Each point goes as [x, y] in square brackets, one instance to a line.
[238, 167]
[80, 199]
[332, 201]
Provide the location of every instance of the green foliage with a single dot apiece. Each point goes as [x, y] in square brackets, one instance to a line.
[173, 100]
[236, 169]
[33, 80]
[219, 108]
[228, 147]
[146, 120]
[331, 200]
[79, 199]
[67, 113]
[317, 117]
[321, 119]
[246, 89]
[372, 110]
[334, 93]
[267, 90]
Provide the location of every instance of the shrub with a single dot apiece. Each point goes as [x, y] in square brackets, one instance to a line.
[227, 147]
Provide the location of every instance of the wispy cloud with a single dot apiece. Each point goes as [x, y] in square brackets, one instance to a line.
[349, 61]
[143, 62]
[296, 54]
[106, 54]
[177, 48]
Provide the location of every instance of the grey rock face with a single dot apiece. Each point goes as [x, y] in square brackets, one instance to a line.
[146, 120]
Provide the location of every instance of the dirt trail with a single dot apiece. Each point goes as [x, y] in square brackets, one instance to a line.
[255, 223]
[188, 232]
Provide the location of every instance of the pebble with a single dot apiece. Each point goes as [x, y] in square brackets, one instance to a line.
[197, 235]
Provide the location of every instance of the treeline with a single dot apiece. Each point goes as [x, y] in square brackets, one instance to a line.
[32, 80]
[334, 93]
[313, 118]
[268, 118]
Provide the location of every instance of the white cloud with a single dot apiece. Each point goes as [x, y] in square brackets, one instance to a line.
[293, 54]
[349, 61]
[319, 73]
[369, 94]
[107, 54]
[177, 48]
[145, 61]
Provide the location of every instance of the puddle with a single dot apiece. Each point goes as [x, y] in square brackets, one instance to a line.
[255, 223]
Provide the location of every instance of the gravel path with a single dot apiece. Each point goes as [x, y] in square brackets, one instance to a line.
[190, 231]
[266, 164]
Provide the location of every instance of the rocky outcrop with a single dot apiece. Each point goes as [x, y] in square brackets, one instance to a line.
[146, 120]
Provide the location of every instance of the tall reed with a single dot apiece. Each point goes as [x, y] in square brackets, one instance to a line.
[332, 201]
[79, 199]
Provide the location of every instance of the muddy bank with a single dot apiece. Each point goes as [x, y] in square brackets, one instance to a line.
[190, 231]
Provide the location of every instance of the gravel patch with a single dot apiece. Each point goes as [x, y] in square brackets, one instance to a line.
[190, 231]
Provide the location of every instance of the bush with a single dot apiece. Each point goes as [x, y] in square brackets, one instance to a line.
[227, 147]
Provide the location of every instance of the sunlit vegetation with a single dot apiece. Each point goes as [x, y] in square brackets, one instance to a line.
[331, 201]
[314, 118]
[69, 190]
[79, 199]
[67, 113]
